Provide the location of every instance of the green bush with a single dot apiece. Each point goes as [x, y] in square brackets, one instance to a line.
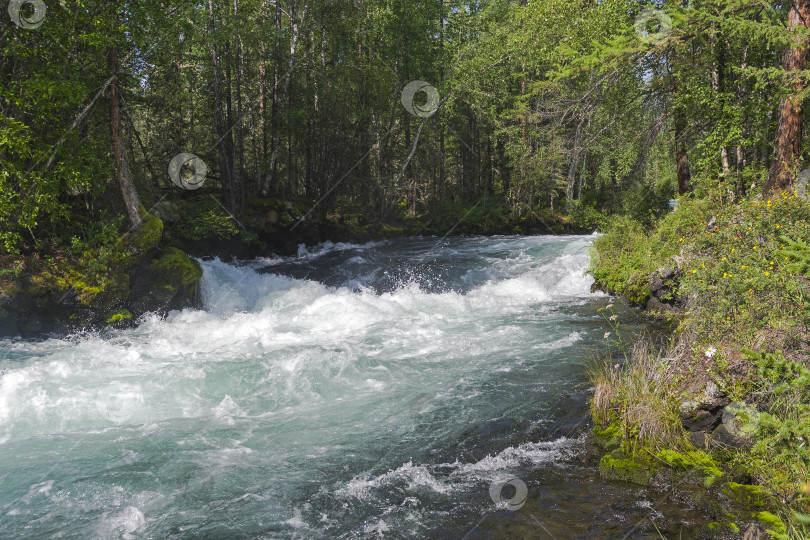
[204, 220]
[587, 216]
[622, 260]
[647, 203]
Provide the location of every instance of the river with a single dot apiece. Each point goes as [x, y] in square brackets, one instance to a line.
[417, 388]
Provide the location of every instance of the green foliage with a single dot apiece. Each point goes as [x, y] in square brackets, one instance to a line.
[587, 216]
[102, 235]
[627, 254]
[781, 440]
[622, 261]
[204, 220]
[647, 204]
[798, 253]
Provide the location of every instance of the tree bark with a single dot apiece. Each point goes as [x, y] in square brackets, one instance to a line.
[130, 195]
[681, 159]
[788, 140]
[224, 165]
[295, 28]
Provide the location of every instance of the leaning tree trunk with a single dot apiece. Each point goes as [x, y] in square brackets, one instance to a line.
[130, 195]
[681, 158]
[788, 140]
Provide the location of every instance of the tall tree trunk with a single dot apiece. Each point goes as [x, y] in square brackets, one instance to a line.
[224, 168]
[788, 140]
[239, 162]
[718, 86]
[442, 172]
[295, 27]
[130, 195]
[742, 96]
[681, 160]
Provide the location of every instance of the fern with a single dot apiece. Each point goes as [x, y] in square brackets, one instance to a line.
[798, 252]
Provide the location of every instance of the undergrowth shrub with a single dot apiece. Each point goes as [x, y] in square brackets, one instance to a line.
[624, 258]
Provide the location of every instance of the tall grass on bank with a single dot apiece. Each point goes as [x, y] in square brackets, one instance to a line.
[636, 394]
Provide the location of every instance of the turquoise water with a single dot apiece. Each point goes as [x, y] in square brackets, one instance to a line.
[394, 389]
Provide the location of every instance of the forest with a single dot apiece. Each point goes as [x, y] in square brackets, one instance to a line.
[545, 108]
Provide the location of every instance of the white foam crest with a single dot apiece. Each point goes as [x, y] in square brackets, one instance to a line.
[462, 475]
[323, 248]
[126, 524]
[414, 476]
[561, 343]
[530, 453]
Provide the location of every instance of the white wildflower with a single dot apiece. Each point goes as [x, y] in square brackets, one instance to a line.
[607, 334]
[710, 352]
[613, 317]
[608, 306]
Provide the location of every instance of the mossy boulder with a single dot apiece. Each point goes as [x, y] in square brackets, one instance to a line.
[104, 285]
[177, 268]
[771, 522]
[699, 467]
[620, 466]
[744, 496]
[141, 241]
[168, 282]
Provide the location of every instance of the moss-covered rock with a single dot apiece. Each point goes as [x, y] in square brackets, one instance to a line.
[177, 268]
[771, 522]
[619, 466]
[111, 284]
[609, 438]
[119, 316]
[746, 497]
[141, 241]
[696, 463]
[168, 282]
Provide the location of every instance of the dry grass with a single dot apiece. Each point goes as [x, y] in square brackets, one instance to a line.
[638, 395]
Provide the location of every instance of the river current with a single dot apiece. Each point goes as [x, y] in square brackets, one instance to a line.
[414, 388]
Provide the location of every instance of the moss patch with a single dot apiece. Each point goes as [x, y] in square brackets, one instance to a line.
[699, 462]
[745, 496]
[619, 466]
[175, 268]
[771, 521]
[143, 240]
[118, 316]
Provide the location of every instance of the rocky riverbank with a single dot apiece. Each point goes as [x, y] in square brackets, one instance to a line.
[107, 285]
[717, 414]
